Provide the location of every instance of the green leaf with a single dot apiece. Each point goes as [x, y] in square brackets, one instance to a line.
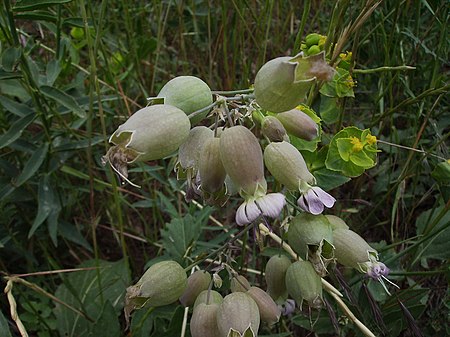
[8, 75]
[32, 165]
[71, 233]
[46, 203]
[180, 235]
[329, 109]
[16, 108]
[107, 323]
[4, 328]
[53, 70]
[361, 159]
[345, 147]
[10, 58]
[16, 130]
[29, 5]
[441, 172]
[37, 15]
[64, 99]
[438, 245]
[90, 291]
[328, 179]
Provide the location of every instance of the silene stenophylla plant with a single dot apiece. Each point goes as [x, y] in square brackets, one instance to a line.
[226, 142]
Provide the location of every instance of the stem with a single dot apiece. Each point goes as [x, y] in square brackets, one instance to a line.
[386, 68]
[325, 284]
[220, 249]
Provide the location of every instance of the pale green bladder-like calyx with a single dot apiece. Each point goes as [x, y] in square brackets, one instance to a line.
[188, 93]
[298, 124]
[282, 83]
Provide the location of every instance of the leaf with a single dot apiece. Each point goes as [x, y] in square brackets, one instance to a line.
[8, 75]
[64, 99]
[71, 233]
[46, 202]
[29, 5]
[438, 245]
[441, 172]
[53, 70]
[328, 179]
[16, 108]
[32, 165]
[180, 234]
[329, 109]
[4, 328]
[90, 291]
[107, 323]
[16, 129]
[10, 58]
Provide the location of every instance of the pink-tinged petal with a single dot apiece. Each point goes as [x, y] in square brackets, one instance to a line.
[271, 204]
[315, 205]
[301, 202]
[252, 211]
[241, 216]
[327, 199]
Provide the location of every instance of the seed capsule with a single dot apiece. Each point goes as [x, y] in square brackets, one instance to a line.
[239, 284]
[153, 132]
[273, 129]
[190, 150]
[311, 237]
[287, 165]
[268, 309]
[213, 297]
[282, 83]
[204, 321]
[336, 222]
[351, 250]
[189, 94]
[196, 283]
[162, 284]
[303, 283]
[242, 159]
[238, 312]
[298, 124]
[275, 275]
[212, 172]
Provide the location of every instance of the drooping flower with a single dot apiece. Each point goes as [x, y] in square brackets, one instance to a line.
[243, 162]
[287, 166]
[351, 250]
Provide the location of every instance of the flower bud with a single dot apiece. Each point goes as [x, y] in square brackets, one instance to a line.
[212, 172]
[336, 222]
[204, 321]
[268, 309]
[242, 159]
[208, 297]
[273, 129]
[162, 284]
[238, 314]
[189, 94]
[298, 124]
[239, 284]
[196, 283]
[303, 283]
[287, 165]
[275, 275]
[282, 83]
[311, 237]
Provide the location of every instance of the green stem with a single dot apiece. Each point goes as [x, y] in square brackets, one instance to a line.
[220, 249]
[380, 69]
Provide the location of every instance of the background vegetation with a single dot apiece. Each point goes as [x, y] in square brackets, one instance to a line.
[72, 71]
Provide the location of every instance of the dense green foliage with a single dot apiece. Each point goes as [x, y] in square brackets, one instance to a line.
[72, 71]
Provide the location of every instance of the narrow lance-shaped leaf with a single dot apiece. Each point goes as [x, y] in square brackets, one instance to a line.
[64, 99]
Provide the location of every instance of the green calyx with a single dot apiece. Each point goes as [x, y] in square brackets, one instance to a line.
[287, 165]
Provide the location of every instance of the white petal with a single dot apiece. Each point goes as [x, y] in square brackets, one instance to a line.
[271, 204]
[252, 211]
[241, 216]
